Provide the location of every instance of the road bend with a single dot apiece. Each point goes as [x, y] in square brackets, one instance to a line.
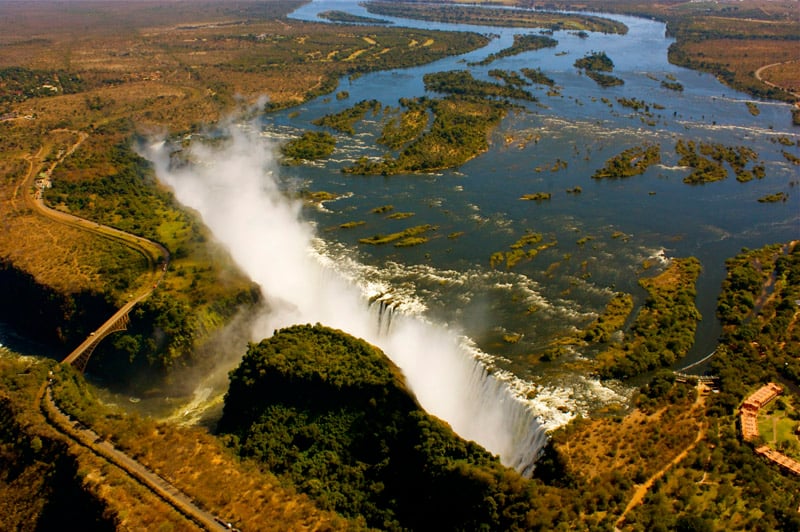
[154, 253]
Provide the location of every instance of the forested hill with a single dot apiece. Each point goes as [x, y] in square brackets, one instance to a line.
[333, 414]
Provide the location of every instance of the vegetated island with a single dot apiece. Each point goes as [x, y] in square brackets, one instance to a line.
[669, 314]
[631, 162]
[348, 18]
[594, 64]
[412, 236]
[527, 247]
[488, 16]
[522, 44]
[461, 124]
[344, 121]
[537, 76]
[310, 146]
[706, 160]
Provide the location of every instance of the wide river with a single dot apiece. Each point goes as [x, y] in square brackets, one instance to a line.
[603, 235]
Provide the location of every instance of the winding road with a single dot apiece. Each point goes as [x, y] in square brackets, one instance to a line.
[156, 255]
[761, 70]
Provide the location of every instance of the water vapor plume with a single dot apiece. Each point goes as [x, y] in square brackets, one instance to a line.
[235, 187]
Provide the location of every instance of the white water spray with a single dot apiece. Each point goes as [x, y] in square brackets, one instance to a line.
[235, 191]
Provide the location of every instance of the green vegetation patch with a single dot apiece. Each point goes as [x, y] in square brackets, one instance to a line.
[458, 133]
[752, 107]
[536, 196]
[604, 80]
[405, 238]
[595, 61]
[344, 121]
[537, 76]
[382, 209]
[774, 198]
[333, 415]
[707, 161]
[17, 83]
[792, 158]
[509, 78]
[525, 248]
[461, 82]
[522, 44]
[311, 146]
[400, 215]
[757, 308]
[594, 64]
[631, 162]
[348, 18]
[351, 225]
[611, 320]
[410, 124]
[664, 328]
[672, 85]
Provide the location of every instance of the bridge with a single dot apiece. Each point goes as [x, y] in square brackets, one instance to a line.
[118, 322]
[705, 379]
[155, 254]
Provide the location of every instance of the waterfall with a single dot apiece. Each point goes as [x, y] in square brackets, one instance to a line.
[527, 435]
[243, 206]
[384, 307]
[482, 406]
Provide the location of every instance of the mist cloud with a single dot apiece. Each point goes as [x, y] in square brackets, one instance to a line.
[234, 187]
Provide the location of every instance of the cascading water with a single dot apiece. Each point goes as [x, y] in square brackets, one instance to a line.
[486, 409]
[242, 204]
[384, 308]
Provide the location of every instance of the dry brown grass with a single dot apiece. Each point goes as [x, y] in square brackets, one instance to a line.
[236, 490]
[744, 57]
[61, 257]
[635, 446]
[786, 75]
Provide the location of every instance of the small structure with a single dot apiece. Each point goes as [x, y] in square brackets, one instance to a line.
[761, 397]
[789, 464]
[748, 415]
